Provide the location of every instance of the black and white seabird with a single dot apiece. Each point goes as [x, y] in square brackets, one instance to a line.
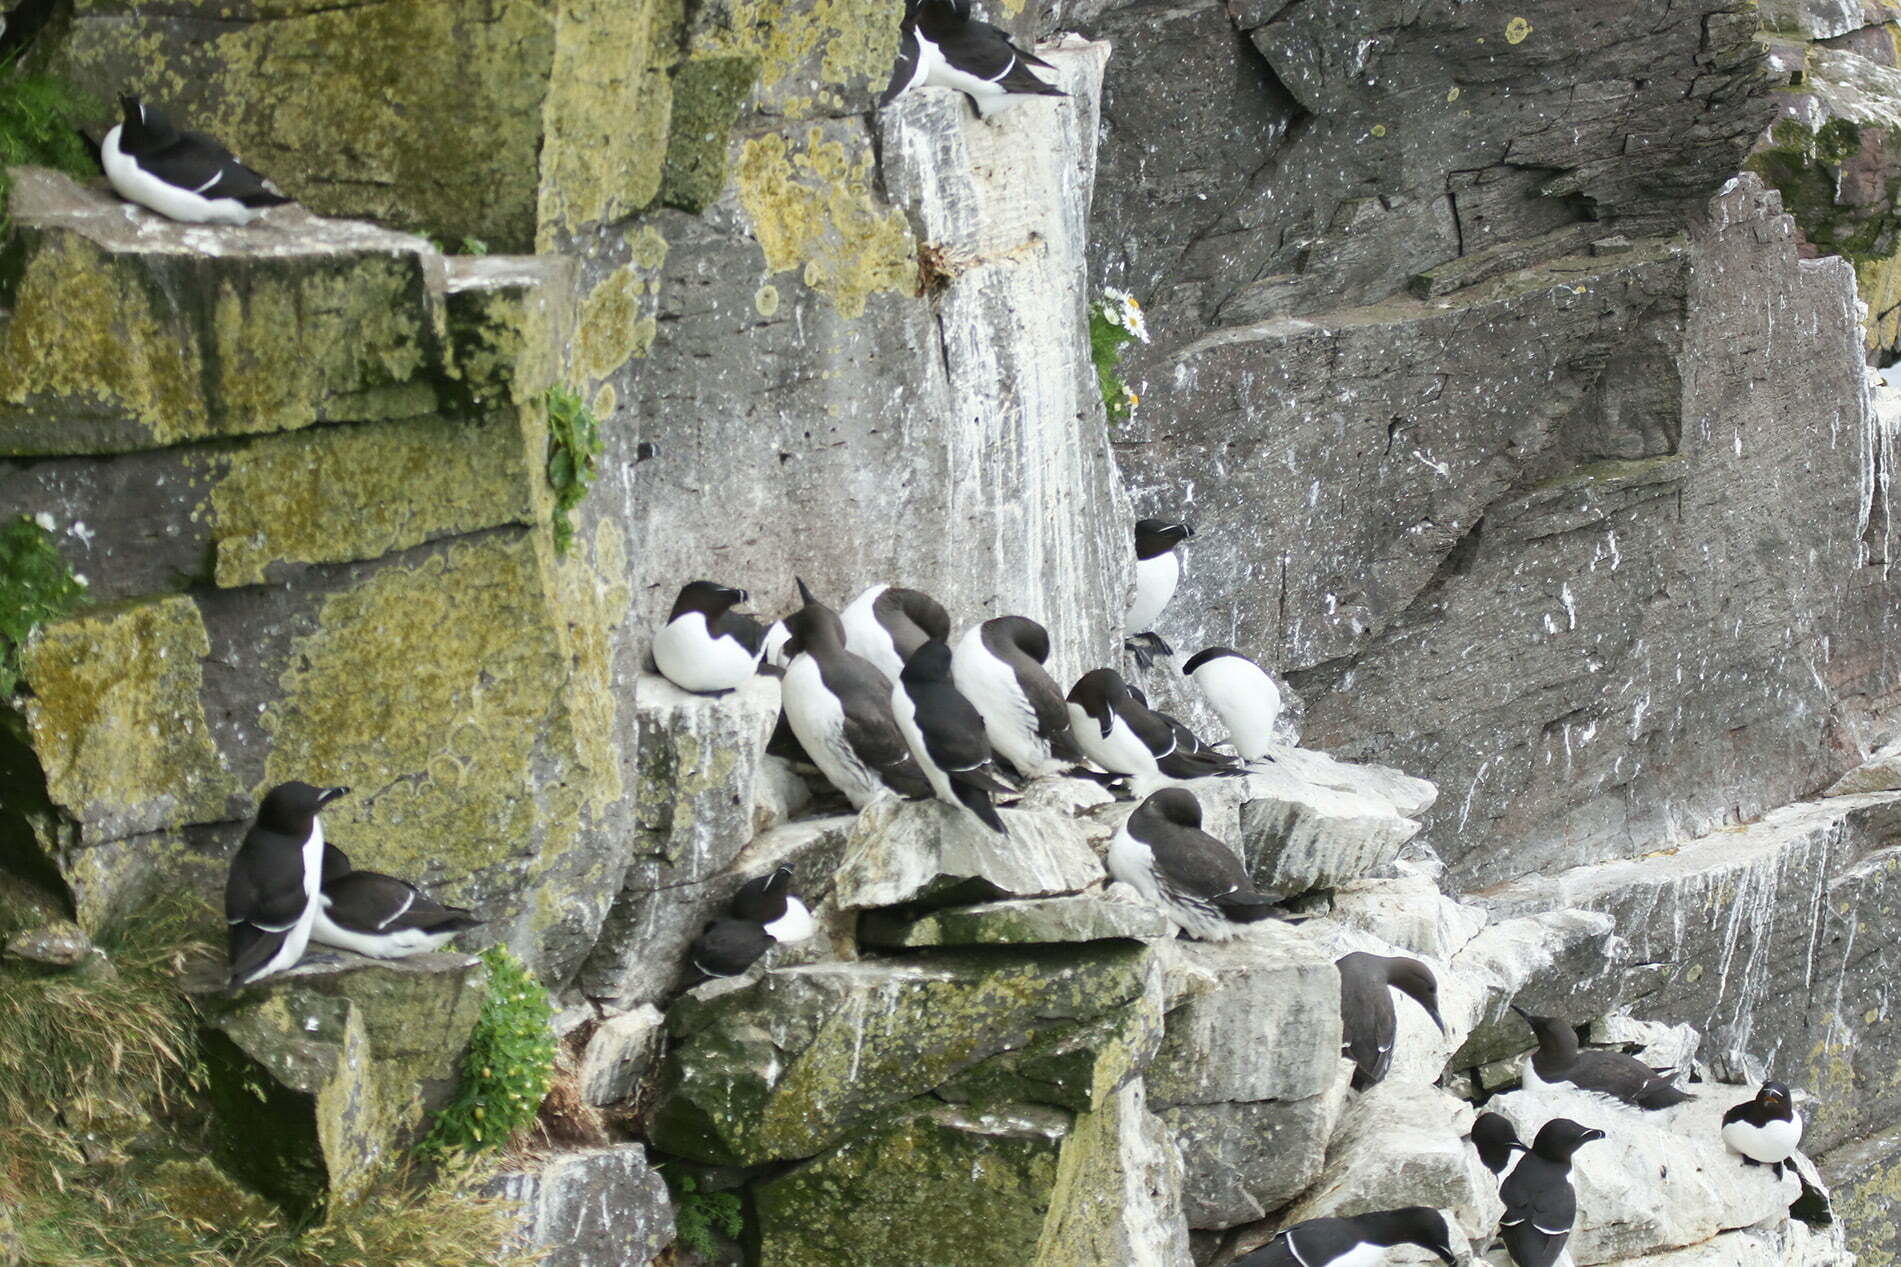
[940, 44]
[727, 947]
[1120, 733]
[886, 624]
[998, 666]
[378, 915]
[1357, 1241]
[1540, 1204]
[706, 647]
[1610, 1073]
[1242, 693]
[1192, 754]
[1367, 1019]
[182, 175]
[768, 901]
[1162, 853]
[1498, 1144]
[839, 708]
[946, 734]
[1157, 571]
[270, 895]
[1764, 1130]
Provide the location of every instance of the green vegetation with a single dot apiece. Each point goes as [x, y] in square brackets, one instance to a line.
[574, 442]
[1804, 167]
[1114, 320]
[35, 586]
[697, 1214]
[508, 1068]
[39, 121]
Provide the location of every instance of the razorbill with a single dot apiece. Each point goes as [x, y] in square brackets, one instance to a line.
[270, 896]
[706, 647]
[839, 708]
[1360, 1240]
[1367, 1019]
[768, 901]
[1498, 1144]
[1162, 853]
[1120, 733]
[378, 915]
[1242, 693]
[940, 44]
[885, 625]
[182, 175]
[1610, 1073]
[1540, 1203]
[1764, 1130]
[946, 734]
[998, 666]
[1157, 571]
[727, 947]
[1190, 748]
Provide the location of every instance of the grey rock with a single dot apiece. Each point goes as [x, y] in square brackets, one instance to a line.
[905, 851]
[1077, 918]
[619, 1054]
[1242, 1160]
[1119, 1191]
[57, 945]
[1409, 913]
[1555, 963]
[1309, 823]
[594, 1207]
[1881, 772]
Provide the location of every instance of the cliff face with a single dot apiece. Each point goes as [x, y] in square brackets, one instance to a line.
[1527, 437]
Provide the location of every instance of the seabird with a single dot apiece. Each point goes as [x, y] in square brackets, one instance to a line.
[1161, 852]
[1498, 1144]
[1157, 570]
[182, 175]
[270, 896]
[1120, 733]
[1610, 1073]
[768, 901]
[839, 708]
[727, 947]
[1367, 1018]
[1764, 1130]
[1358, 1241]
[886, 625]
[998, 666]
[1242, 693]
[378, 915]
[940, 44]
[1540, 1203]
[946, 734]
[706, 647]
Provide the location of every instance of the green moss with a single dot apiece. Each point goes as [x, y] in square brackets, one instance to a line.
[1106, 338]
[35, 586]
[574, 444]
[509, 1065]
[39, 126]
[1838, 140]
[708, 93]
[794, 42]
[696, 1215]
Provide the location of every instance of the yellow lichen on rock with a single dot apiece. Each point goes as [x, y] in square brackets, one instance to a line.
[813, 208]
[849, 39]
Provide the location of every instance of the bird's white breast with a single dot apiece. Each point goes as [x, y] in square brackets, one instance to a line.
[864, 636]
[1769, 1143]
[1246, 698]
[818, 719]
[1155, 581]
[904, 709]
[1133, 863]
[136, 184]
[795, 925]
[1118, 752]
[694, 660]
[992, 688]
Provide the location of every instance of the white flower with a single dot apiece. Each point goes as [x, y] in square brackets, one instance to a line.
[79, 579]
[45, 520]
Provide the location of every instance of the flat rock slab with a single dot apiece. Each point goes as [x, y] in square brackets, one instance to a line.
[1082, 917]
[910, 851]
[596, 1207]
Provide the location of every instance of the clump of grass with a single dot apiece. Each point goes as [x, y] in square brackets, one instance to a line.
[35, 586]
[39, 125]
[696, 1215]
[508, 1068]
[1114, 320]
[574, 442]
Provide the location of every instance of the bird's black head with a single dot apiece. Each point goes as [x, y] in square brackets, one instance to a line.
[1419, 1225]
[1494, 1131]
[1413, 978]
[290, 807]
[1550, 1030]
[1175, 805]
[146, 127]
[1774, 1096]
[1560, 1137]
[1159, 536]
[1020, 632]
[814, 627]
[1207, 654]
[763, 898]
[1096, 693]
[915, 607]
[931, 662]
[706, 597]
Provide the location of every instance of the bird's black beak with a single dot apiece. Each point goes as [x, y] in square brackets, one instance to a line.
[739, 595]
[1529, 1018]
[1591, 1135]
[1433, 1012]
[330, 794]
[805, 592]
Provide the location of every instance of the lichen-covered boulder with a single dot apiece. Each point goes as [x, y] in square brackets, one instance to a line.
[1019, 922]
[788, 1064]
[1118, 1194]
[593, 1207]
[322, 1077]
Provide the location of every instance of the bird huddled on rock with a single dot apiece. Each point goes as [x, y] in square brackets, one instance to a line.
[378, 915]
[763, 913]
[1158, 569]
[1117, 730]
[1242, 694]
[1368, 1022]
[998, 667]
[271, 892]
[1541, 1206]
[1162, 853]
[1360, 1240]
[945, 733]
[1498, 1144]
[1765, 1129]
[705, 646]
[182, 175]
[942, 45]
[1610, 1073]
[887, 624]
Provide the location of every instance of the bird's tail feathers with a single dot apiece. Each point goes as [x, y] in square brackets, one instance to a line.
[977, 801]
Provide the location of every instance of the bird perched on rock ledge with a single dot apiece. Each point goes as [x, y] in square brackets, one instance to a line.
[1764, 1130]
[1609, 1073]
[271, 893]
[940, 44]
[1163, 854]
[184, 176]
[1359, 1241]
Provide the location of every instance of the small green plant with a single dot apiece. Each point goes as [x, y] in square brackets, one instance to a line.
[696, 1214]
[574, 442]
[474, 246]
[1115, 319]
[39, 125]
[509, 1066]
[35, 586]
